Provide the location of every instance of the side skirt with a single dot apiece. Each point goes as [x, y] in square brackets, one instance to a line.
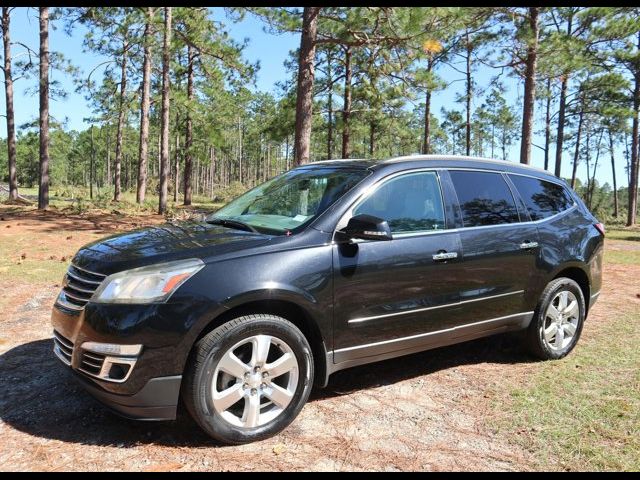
[362, 354]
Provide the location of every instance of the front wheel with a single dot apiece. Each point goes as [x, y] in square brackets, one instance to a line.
[249, 378]
[557, 324]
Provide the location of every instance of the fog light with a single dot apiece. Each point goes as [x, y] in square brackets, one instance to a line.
[118, 371]
[113, 349]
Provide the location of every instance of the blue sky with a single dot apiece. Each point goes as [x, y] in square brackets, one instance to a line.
[270, 50]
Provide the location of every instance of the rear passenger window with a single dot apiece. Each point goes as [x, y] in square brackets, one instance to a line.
[485, 198]
[543, 199]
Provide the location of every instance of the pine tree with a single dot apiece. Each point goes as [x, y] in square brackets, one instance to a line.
[43, 190]
[164, 154]
[11, 122]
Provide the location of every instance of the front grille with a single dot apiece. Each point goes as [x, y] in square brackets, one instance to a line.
[62, 347]
[78, 287]
[91, 363]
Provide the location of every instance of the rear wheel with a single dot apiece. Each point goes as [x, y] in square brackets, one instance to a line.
[557, 324]
[249, 378]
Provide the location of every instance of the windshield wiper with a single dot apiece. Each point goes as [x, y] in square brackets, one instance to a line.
[232, 224]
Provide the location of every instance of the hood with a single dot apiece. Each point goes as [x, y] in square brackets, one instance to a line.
[164, 243]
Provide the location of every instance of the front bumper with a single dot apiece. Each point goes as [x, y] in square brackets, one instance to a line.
[150, 391]
[157, 400]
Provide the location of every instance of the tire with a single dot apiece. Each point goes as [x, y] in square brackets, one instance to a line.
[213, 378]
[541, 339]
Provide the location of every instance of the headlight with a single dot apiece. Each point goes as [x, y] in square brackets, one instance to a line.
[154, 283]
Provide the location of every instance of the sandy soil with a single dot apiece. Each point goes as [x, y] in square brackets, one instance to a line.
[429, 411]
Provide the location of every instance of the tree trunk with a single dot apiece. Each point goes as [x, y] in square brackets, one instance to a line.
[504, 144]
[240, 176]
[108, 159]
[577, 152]
[176, 169]
[213, 170]
[92, 165]
[11, 122]
[306, 76]
[164, 154]
[529, 88]
[468, 98]
[372, 138]
[330, 110]
[346, 111]
[547, 127]
[43, 190]
[588, 159]
[144, 109]
[592, 182]
[286, 152]
[493, 139]
[121, 119]
[562, 111]
[634, 167]
[426, 144]
[188, 139]
[613, 171]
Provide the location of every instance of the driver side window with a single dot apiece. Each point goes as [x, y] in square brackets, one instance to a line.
[409, 203]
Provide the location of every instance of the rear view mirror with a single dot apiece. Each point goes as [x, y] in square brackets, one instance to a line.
[367, 227]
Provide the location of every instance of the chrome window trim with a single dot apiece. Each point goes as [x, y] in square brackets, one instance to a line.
[435, 307]
[400, 236]
[437, 170]
[428, 334]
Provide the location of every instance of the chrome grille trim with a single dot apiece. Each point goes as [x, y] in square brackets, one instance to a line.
[78, 287]
[94, 356]
[75, 297]
[83, 280]
[92, 364]
[62, 348]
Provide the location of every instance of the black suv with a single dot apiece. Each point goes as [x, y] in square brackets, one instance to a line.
[327, 266]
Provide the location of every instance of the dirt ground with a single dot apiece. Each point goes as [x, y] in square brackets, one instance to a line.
[429, 411]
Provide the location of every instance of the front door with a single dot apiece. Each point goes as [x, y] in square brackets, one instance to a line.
[389, 294]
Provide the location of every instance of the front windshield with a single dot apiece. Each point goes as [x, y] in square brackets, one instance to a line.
[290, 200]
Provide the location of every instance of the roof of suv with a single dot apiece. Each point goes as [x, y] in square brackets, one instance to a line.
[444, 161]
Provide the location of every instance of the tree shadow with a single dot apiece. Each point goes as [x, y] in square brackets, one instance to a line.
[41, 398]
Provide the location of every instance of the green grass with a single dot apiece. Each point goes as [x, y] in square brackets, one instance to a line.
[628, 234]
[583, 412]
[34, 271]
[623, 257]
[30, 269]
[625, 249]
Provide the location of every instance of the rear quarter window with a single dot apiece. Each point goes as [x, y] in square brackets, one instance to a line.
[543, 199]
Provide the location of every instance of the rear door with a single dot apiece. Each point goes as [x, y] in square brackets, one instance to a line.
[500, 249]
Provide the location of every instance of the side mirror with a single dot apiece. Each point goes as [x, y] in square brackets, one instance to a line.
[367, 227]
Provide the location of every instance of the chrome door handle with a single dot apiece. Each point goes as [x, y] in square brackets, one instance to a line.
[441, 257]
[528, 245]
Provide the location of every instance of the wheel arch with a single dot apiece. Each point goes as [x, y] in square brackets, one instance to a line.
[578, 275]
[288, 310]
